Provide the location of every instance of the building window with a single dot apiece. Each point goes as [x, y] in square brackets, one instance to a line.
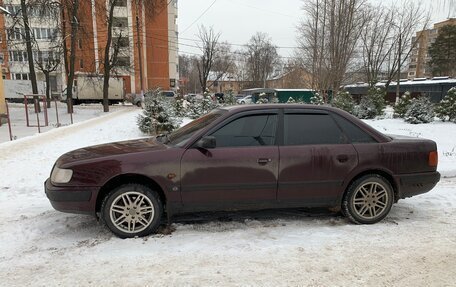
[1, 58]
[80, 43]
[44, 33]
[81, 63]
[123, 42]
[120, 22]
[14, 9]
[120, 3]
[123, 61]
[19, 76]
[16, 34]
[18, 56]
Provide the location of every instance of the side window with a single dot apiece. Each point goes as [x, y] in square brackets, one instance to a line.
[311, 129]
[353, 132]
[255, 130]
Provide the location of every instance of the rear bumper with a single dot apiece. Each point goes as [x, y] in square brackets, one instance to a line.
[71, 199]
[417, 183]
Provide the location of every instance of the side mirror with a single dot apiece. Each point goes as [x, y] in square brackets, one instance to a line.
[206, 142]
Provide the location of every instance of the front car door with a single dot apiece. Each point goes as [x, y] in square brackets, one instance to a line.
[315, 158]
[240, 172]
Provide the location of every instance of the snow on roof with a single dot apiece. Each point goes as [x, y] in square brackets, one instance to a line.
[293, 90]
[215, 76]
[404, 82]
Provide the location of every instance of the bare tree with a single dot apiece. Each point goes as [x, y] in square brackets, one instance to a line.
[409, 19]
[188, 73]
[110, 57]
[25, 7]
[223, 62]
[209, 42]
[261, 57]
[375, 41]
[112, 49]
[69, 12]
[328, 38]
[21, 29]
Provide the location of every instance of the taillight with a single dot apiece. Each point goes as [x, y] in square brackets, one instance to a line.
[433, 158]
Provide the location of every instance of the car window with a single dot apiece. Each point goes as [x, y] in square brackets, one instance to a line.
[353, 132]
[311, 129]
[254, 130]
[180, 136]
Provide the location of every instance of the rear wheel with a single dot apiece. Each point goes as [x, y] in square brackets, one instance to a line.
[132, 210]
[368, 199]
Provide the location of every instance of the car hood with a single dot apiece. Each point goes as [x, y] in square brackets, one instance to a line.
[111, 149]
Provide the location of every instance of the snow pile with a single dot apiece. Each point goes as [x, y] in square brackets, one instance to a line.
[414, 246]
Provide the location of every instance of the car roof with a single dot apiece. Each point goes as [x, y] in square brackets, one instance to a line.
[240, 108]
[244, 108]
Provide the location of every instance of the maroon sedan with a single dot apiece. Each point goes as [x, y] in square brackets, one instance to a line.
[245, 157]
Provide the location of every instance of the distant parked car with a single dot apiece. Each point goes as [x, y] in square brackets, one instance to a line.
[245, 100]
[245, 157]
[168, 94]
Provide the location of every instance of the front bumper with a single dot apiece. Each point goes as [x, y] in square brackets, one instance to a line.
[71, 199]
[417, 183]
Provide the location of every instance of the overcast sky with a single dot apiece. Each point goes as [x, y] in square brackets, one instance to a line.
[238, 20]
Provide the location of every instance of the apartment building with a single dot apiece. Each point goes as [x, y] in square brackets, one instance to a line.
[419, 57]
[146, 35]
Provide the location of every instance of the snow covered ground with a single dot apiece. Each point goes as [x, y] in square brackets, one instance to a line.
[414, 246]
[19, 123]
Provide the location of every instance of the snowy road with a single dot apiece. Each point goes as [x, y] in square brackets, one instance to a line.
[414, 246]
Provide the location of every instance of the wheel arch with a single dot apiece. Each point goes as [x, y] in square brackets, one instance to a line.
[383, 173]
[125, 179]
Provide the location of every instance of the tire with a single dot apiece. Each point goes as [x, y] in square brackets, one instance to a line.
[368, 199]
[132, 210]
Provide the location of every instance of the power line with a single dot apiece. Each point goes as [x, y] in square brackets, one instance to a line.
[199, 17]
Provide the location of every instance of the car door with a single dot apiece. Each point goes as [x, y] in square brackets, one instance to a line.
[241, 171]
[315, 157]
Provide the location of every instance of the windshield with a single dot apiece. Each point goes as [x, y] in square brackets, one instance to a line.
[180, 136]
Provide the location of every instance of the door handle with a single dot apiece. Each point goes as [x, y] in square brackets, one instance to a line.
[263, 161]
[342, 158]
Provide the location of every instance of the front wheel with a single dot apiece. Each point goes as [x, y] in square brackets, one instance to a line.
[368, 199]
[132, 210]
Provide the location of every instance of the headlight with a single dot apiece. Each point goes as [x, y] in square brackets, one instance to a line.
[60, 175]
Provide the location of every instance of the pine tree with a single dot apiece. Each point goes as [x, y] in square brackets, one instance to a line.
[158, 116]
[401, 107]
[419, 111]
[263, 99]
[317, 99]
[194, 108]
[371, 105]
[178, 106]
[197, 108]
[344, 101]
[443, 52]
[291, 100]
[446, 109]
[230, 99]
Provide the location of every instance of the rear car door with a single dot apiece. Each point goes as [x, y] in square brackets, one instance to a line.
[241, 171]
[315, 158]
